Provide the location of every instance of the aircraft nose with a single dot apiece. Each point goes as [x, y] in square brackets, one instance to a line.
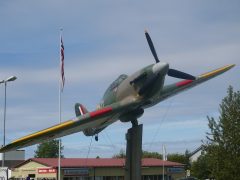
[160, 67]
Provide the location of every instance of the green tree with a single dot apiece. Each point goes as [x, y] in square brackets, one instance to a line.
[49, 149]
[147, 154]
[201, 168]
[180, 158]
[121, 154]
[223, 147]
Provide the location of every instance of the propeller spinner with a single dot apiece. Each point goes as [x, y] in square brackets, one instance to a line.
[171, 72]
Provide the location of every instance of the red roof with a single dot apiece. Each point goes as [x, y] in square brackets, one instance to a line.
[97, 162]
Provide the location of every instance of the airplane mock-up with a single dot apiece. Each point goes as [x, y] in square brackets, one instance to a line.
[124, 100]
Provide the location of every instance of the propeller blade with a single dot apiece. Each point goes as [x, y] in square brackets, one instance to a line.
[178, 74]
[150, 43]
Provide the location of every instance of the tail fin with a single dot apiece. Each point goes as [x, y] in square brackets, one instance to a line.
[80, 109]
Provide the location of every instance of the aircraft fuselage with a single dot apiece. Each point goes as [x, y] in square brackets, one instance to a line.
[145, 84]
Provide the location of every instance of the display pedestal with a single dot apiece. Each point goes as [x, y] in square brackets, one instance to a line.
[134, 152]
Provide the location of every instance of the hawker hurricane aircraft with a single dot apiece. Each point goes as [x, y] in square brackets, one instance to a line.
[124, 100]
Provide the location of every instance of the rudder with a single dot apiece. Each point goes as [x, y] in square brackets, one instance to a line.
[80, 109]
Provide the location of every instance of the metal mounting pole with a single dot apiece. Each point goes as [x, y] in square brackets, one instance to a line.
[134, 152]
[4, 121]
[11, 78]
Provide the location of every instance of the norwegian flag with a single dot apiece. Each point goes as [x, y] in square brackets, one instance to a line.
[62, 64]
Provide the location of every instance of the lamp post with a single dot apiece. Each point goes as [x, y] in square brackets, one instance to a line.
[11, 78]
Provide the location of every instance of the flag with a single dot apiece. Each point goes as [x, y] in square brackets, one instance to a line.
[164, 153]
[62, 63]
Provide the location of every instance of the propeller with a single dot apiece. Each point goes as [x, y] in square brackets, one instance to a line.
[171, 72]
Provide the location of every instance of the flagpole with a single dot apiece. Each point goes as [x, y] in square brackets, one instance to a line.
[60, 105]
[164, 158]
[163, 161]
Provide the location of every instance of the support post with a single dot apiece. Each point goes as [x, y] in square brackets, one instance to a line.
[134, 152]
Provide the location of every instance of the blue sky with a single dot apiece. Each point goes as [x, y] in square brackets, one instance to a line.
[103, 40]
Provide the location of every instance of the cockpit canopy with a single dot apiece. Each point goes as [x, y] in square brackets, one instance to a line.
[109, 95]
[117, 82]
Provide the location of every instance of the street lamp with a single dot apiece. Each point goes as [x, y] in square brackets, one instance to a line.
[11, 78]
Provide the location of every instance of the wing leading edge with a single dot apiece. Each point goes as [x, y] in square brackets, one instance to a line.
[178, 87]
[108, 114]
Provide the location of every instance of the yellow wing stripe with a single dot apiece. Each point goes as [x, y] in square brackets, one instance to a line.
[217, 71]
[57, 127]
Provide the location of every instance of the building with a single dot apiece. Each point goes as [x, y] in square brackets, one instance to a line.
[194, 155]
[94, 169]
[12, 158]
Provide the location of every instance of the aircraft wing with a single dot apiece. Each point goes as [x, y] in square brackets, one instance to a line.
[108, 114]
[178, 87]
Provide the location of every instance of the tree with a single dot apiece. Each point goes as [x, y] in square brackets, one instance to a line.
[121, 154]
[200, 168]
[223, 146]
[145, 154]
[180, 158]
[48, 149]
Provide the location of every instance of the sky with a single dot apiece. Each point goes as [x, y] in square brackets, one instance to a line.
[102, 40]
